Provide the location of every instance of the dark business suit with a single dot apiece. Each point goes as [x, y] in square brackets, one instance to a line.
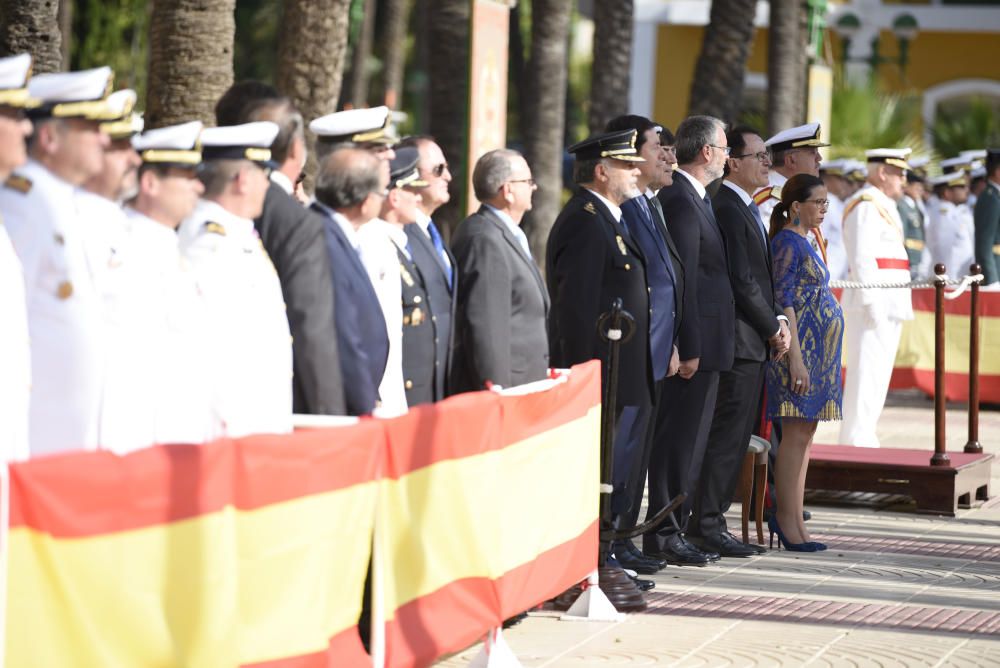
[361, 329]
[442, 303]
[738, 398]
[664, 280]
[500, 308]
[418, 335]
[706, 332]
[293, 238]
[591, 260]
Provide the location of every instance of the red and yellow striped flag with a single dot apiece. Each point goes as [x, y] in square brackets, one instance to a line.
[247, 552]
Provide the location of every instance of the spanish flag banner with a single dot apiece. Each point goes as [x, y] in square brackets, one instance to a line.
[914, 365]
[249, 552]
[488, 507]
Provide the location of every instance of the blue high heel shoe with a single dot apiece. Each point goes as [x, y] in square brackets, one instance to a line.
[819, 546]
[772, 524]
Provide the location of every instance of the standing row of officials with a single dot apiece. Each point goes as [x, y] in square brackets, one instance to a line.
[175, 285]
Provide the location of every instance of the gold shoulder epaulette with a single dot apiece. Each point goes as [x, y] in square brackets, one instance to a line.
[215, 228]
[865, 197]
[21, 184]
[589, 208]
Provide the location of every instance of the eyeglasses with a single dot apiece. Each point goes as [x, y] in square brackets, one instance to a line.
[821, 203]
[725, 149]
[530, 182]
[439, 170]
[763, 156]
[380, 193]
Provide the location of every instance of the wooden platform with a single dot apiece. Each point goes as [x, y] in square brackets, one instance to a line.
[936, 489]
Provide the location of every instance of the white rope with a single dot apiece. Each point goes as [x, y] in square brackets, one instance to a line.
[963, 284]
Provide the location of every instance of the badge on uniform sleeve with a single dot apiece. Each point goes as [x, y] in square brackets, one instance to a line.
[405, 274]
[621, 244]
[65, 290]
[589, 207]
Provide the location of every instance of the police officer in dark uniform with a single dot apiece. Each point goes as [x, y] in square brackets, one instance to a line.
[591, 260]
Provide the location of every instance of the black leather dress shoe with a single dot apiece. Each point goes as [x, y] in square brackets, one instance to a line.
[629, 556]
[643, 585]
[679, 552]
[726, 545]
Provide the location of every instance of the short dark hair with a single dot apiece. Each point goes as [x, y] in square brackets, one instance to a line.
[631, 122]
[346, 177]
[693, 133]
[215, 175]
[667, 137]
[992, 162]
[249, 101]
[736, 138]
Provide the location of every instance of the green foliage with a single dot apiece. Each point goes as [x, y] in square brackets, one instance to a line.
[864, 117]
[970, 123]
[115, 33]
[256, 43]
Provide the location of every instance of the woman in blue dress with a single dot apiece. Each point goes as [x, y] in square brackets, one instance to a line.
[804, 386]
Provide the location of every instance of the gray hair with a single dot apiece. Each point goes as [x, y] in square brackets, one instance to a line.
[215, 175]
[693, 133]
[347, 176]
[583, 170]
[491, 172]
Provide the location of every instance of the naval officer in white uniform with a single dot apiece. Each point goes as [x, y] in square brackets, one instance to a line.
[15, 353]
[250, 339]
[63, 256]
[873, 238]
[953, 231]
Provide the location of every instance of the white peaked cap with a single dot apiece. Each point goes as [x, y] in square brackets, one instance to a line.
[890, 156]
[798, 137]
[14, 71]
[173, 145]
[80, 86]
[250, 141]
[356, 125]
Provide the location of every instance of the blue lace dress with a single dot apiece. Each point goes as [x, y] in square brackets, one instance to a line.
[801, 281]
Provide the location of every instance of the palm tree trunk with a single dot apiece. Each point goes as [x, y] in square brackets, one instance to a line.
[190, 59]
[544, 119]
[448, 65]
[32, 26]
[609, 77]
[786, 66]
[359, 75]
[397, 15]
[312, 49]
[717, 88]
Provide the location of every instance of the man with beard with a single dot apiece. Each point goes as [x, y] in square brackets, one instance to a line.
[705, 339]
[591, 260]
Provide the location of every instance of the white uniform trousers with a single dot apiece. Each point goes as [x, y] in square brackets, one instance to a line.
[871, 352]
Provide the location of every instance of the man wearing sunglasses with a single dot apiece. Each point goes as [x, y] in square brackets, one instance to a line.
[433, 257]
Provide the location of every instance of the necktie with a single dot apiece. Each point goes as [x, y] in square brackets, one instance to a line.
[659, 209]
[708, 206]
[760, 222]
[439, 247]
[523, 240]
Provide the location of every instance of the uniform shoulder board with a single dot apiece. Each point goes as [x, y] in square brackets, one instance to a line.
[589, 208]
[765, 193]
[21, 184]
[215, 228]
[865, 197]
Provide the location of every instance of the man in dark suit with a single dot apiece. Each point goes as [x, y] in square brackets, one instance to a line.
[592, 259]
[664, 279]
[760, 327]
[500, 335]
[705, 337]
[432, 256]
[350, 187]
[293, 238]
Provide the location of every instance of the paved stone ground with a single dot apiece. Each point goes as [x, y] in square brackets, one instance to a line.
[894, 589]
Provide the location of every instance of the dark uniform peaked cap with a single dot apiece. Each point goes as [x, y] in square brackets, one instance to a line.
[403, 172]
[619, 145]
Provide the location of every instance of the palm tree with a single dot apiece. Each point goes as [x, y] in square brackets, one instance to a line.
[863, 117]
[717, 88]
[397, 14]
[544, 114]
[190, 59]
[32, 26]
[786, 65]
[312, 48]
[359, 75]
[609, 80]
[448, 67]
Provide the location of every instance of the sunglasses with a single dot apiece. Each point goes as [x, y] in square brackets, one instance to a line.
[439, 170]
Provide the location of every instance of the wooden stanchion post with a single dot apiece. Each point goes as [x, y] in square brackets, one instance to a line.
[973, 444]
[940, 457]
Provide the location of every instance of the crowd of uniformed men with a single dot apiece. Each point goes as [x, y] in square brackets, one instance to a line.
[176, 285]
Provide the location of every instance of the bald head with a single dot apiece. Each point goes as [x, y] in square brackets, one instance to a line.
[347, 176]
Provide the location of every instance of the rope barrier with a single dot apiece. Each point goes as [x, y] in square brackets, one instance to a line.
[962, 285]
